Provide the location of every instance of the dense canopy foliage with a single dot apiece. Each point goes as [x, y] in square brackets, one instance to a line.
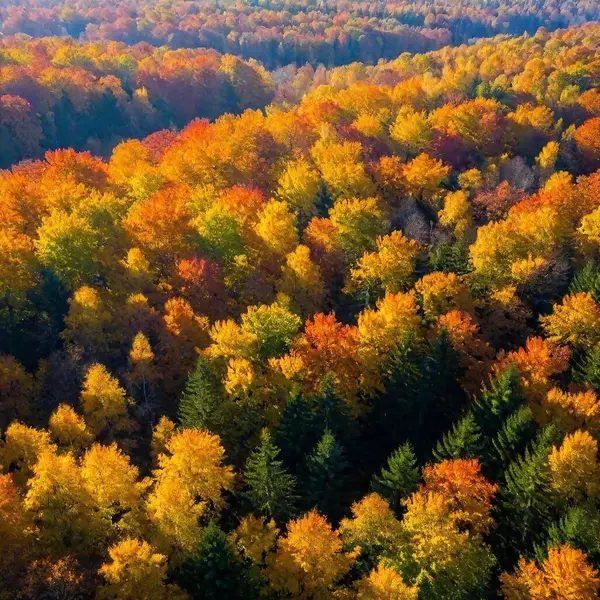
[308, 334]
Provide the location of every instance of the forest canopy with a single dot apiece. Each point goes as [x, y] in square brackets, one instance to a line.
[308, 333]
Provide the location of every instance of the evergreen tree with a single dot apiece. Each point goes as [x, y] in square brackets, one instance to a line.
[201, 398]
[516, 434]
[588, 369]
[587, 279]
[271, 487]
[525, 498]
[213, 571]
[580, 528]
[451, 258]
[439, 396]
[400, 478]
[462, 441]
[327, 477]
[498, 401]
[297, 432]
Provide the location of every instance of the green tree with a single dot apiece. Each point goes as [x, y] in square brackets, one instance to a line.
[213, 571]
[327, 476]
[580, 528]
[462, 441]
[587, 279]
[516, 434]
[270, 487]
[588, 369]
[400, 478]
[525, 499]
[201, 398]
[497, 401]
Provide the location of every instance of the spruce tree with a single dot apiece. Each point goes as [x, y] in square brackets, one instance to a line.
[462, 441]
[270, 487]
[498, 401]
[439, 396]
[588, 370]
[327, 477]
[213, 571]
[297, 432]
[525, 499]
[201, 398]
[587, 279]
[400, 478]
[516, 434]
[580, 528]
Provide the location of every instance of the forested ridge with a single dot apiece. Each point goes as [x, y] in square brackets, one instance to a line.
[340, 338]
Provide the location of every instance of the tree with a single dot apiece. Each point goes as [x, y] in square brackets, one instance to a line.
[400, 478]
[271, 487]
[373, 528]
[462, 441]
[575, 321]
[61, 504]
[299, 186]
[327, 476]
[586, 279]
[136, 571]
[467, 493]
[276, 227]
[389, 268]
[566, 573]
[384, 583]
[516, 434]
[525, 504]
[199, 403]
[190, 479]
[574, 468]
[498, 400]
[103, 401]
[274, 327]
[213, 571]
[68, 429]
[309, 560]
[69, 246]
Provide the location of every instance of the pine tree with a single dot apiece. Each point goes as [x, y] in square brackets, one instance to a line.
[201, 398]
[587, 279]
[400, 478]
[498, 401]
[588, 371]
[525, 499]
[516, 434]
[451, 258]
[327, 476]
[580, 528]
[298, 431]
[271, 487]
[213, 571]
[441, 398]
[462, 441]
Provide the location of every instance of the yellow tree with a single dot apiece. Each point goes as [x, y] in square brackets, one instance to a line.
[112, 483]
[309, 560]
[566, 573]
[574, 468]
[276, 228]
[22, 448]
[190, 479]
[384, 583]
[299, 186]
[575, 321]
[136, 571]
[389, 267]
[103, 401]
[570, 411]
[442, 292]
[68, 429]
[60, 502]
[301, 282]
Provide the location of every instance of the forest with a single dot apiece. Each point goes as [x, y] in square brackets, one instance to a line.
[299, 328]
